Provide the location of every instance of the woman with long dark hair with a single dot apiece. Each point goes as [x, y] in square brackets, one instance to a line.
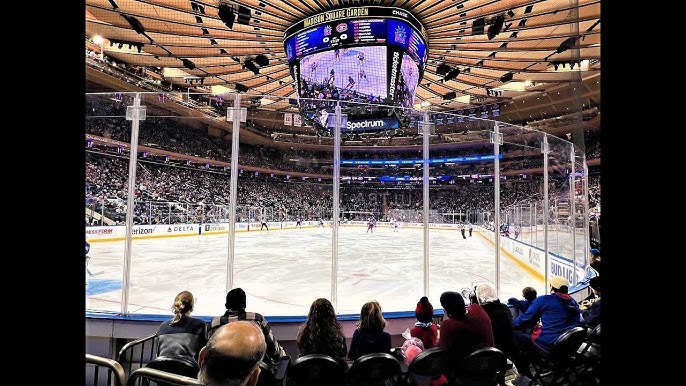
[321, 333]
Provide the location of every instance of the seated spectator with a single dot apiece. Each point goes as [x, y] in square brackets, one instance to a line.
[232, 355]
[182, 336]
[500, 315]
[529, 294]
[321, 333]
[595, 260]
[466, 329]
[369, 336]
[590, 308]
[235, 310]
[549, 316]
[424, 329]
[427, 333]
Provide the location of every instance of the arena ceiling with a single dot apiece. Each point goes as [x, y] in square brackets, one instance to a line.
[536, 58]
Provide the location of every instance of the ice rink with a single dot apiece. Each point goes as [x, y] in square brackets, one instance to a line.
[283, 270]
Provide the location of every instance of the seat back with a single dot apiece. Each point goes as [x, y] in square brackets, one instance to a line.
[373, 369]
[482, 367]
[274, 375]
[567, 345]
[318, 369]
[591, 346]
[175, 366]
[430, 362]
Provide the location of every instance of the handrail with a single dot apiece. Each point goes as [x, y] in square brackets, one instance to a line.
[126, 354]
[146, 373]
[115, 372]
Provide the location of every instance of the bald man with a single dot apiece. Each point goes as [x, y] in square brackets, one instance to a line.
[232, 355]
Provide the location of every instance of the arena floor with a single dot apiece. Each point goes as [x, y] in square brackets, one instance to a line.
[283, 271]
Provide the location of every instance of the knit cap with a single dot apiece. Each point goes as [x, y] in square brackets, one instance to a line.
[424, 311]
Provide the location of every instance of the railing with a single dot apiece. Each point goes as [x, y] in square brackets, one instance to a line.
[144, 376]
[135, 354]
[96, 365]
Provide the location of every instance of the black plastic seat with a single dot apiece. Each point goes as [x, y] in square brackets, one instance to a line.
[429, 363]
[587, 367]
[274, 375]
[373, 369]
[557, 367]
[318, 370]
[482, 367]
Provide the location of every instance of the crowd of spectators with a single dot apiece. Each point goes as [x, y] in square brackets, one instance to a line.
[169, 189]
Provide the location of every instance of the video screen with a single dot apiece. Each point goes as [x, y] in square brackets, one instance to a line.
[407, 85]
[356, 74]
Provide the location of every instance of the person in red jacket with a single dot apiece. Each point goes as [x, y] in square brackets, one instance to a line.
[424, 329]
[466, 329]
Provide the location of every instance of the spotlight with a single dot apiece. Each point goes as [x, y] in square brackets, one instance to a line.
[241, 87]
[227, 15]
[449, 96]
[443, 69]
[567, 44]
[250, 65]
[262, 60]
[452, 74]
[135, 24]
[188, 64]
[507, 77]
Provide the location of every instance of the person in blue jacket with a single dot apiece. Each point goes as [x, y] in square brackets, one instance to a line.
[548, 317]
[521, 305]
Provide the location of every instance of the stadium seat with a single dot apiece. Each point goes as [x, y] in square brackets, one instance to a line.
[428, 363]
[373, 369]
[587, 368]
[276, 375]
[483, 367]
[556, 368]
[317, 370]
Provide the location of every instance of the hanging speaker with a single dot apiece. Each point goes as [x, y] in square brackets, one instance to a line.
[227, 15]
[478, 26]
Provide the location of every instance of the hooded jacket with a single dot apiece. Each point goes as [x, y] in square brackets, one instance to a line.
[556, 312]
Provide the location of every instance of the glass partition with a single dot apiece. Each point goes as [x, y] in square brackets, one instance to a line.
[107, 150]
[366, 213]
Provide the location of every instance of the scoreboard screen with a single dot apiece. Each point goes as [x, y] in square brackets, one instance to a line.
[357, 32]
[368, 55]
